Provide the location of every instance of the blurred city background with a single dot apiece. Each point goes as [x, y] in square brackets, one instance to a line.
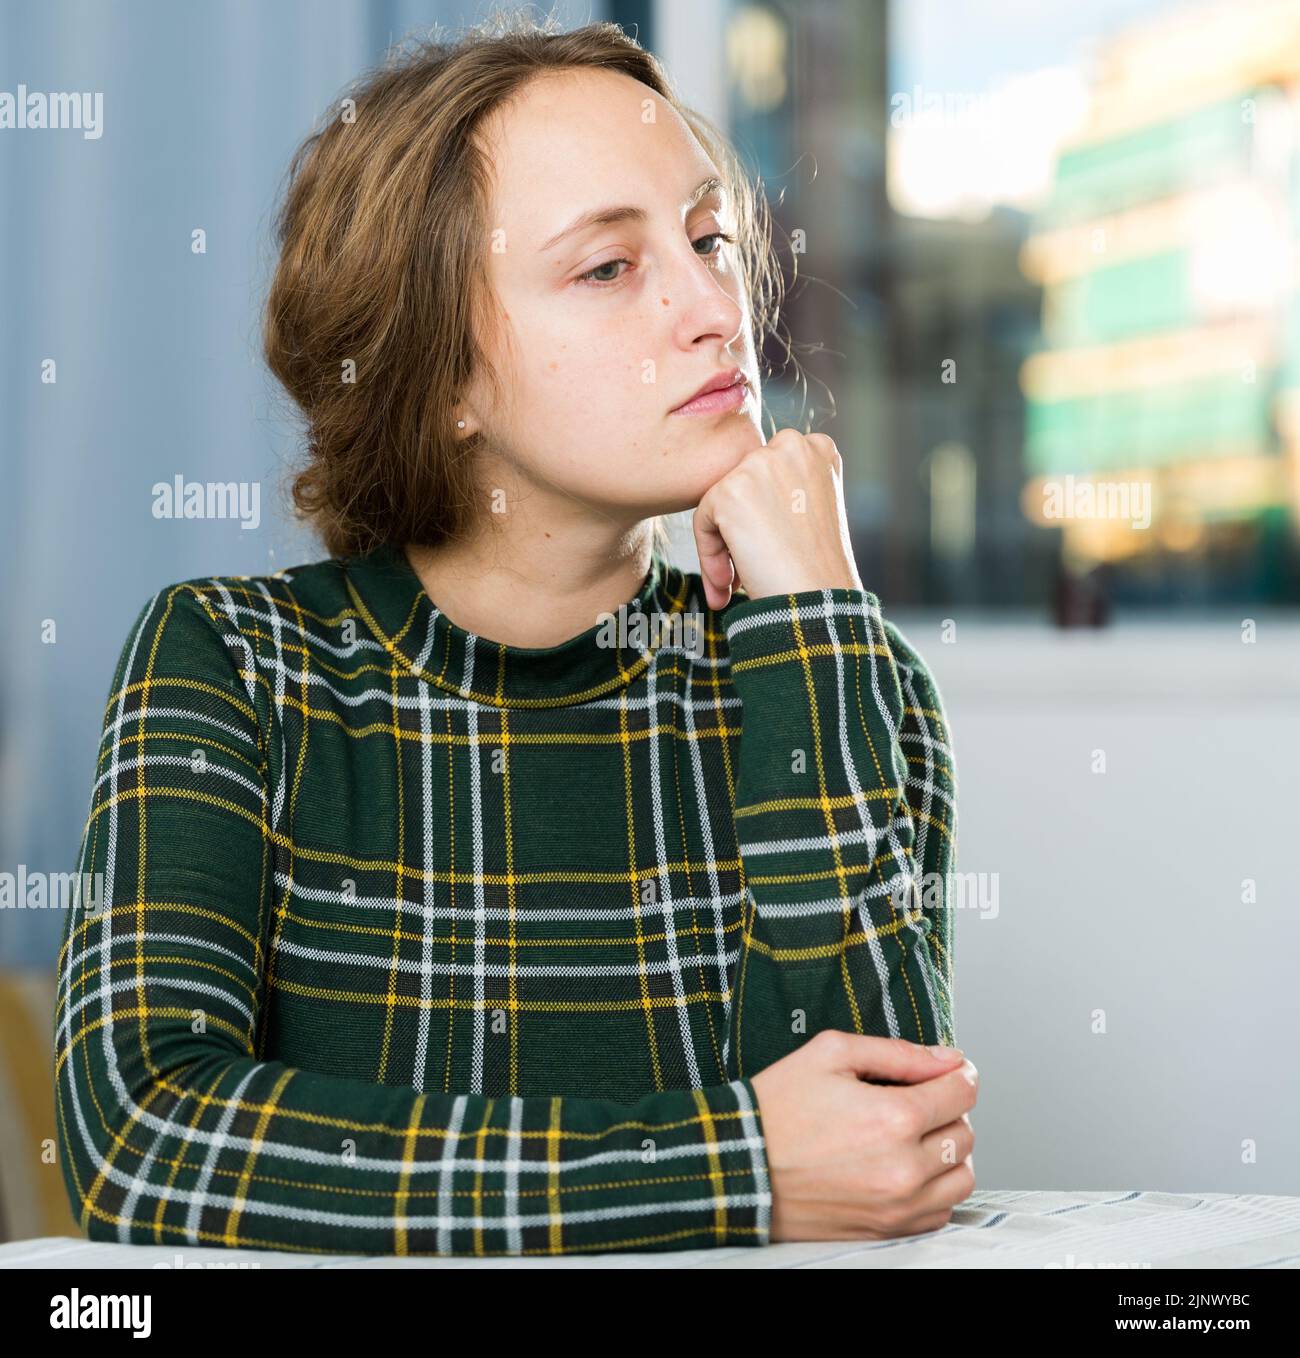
[1043, 295]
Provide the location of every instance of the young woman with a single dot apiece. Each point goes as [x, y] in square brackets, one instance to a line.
[493, 886]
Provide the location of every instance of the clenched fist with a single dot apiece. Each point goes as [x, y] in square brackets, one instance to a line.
[775, 523]
[851, 1159]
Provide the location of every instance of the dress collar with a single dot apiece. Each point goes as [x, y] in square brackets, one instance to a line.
[393, 604]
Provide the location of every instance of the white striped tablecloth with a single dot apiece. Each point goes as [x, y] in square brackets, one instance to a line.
[1016, 1229]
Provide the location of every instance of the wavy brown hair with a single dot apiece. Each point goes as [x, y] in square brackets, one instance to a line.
[381, 287]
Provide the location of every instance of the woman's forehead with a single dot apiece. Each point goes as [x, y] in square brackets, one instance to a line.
[583, 144]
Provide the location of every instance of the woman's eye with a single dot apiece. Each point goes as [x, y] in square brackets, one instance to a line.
[718, 236]
[590, 279]
[590, 276]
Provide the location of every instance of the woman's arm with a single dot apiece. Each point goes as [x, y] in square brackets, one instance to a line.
[170, 1129]
[931, 799]
[845, 793]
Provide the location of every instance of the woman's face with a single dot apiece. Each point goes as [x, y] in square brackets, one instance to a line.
[609, 326]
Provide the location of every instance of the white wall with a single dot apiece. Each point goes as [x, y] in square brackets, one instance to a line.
[1121, 891]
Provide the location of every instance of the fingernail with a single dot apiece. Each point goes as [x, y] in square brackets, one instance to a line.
[945, 1053]
[969, 1071]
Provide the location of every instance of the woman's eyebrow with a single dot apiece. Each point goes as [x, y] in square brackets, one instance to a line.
[605, 216]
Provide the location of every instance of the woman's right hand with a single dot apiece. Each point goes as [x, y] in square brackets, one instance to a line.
[855, 1161]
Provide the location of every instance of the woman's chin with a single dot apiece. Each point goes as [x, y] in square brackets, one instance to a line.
[697, 471]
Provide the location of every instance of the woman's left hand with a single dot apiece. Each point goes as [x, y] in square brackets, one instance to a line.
[776, 523]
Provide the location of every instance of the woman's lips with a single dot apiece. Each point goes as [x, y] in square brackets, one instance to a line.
[713, 402]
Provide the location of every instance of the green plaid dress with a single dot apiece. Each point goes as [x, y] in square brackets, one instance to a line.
[396, 940]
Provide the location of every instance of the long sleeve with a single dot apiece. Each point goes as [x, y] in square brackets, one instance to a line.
[845, 819]
[171, 1129]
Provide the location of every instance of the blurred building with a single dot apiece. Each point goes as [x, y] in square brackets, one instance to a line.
[1163, 412]
[1052, 326]
[880, 302]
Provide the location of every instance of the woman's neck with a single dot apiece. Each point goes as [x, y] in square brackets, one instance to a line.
[534, 589]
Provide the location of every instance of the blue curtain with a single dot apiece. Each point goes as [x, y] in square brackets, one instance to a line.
[155, 347]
